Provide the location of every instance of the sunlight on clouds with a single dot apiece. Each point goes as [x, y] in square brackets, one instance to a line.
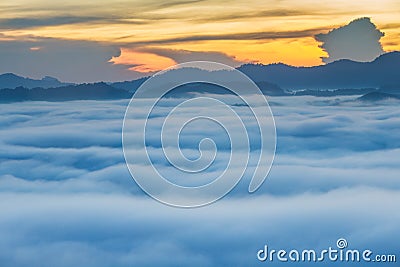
[142, 61]
[391, 40]
[303, 51]
[35, 48]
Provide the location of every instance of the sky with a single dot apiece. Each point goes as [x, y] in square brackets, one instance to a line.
[121, 40]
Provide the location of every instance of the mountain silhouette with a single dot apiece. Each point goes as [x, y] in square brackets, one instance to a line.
[95, 91]
[341, 74]
[130, 86]
[342, 77]
[10, 80]
[200, 87]
[377, 96]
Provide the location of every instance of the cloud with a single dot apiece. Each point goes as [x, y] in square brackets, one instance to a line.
[261, 35]
[142, 61]
[187, 24]
[288, 11]
[76, 61]
[181, 56]
[66, 142]
[121, 230]
[24, 23]
[67, 198]
[149, 60]
[390, 26]
[176, 3]
[42, 14]
[359, 40]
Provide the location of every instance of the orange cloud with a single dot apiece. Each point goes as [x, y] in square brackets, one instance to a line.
[142, 61]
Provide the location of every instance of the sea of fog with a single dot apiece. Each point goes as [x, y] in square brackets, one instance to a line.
[67, 197]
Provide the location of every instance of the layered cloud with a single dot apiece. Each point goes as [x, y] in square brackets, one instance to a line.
[117, 230]
[67, 198]
[324, 139]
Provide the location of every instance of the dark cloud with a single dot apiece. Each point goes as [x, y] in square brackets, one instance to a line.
[359, 40]
[253, 14]
[264, 13]
[48, 21]
[390, 26]
[168, 4]
[181, 56]
[22, 23]
[138, 15]
[265, 35]
[76, 61]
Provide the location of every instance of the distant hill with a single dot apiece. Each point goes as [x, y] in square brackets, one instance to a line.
[95, 91]
[335, 92]
[10, 80]
[342, 77]
[377, 96]
[377, 79]
[130, 86]
[382, 72]
[390, 89]
[266, 87]
[188, 90]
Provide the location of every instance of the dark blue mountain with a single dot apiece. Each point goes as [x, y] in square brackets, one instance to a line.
[343, 77]
[188, 90]
[377, 96]
[335, 92]
[266, 87]
[95, 91]
[10, 80]
[130, 86]
[341, 74]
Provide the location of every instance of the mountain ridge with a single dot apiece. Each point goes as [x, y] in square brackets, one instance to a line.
[342, 77]
[344, 73]
[11, 81]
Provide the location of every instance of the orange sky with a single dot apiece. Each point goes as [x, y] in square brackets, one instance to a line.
[149, 32]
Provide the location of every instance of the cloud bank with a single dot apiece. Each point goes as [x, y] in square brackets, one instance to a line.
[66, 196]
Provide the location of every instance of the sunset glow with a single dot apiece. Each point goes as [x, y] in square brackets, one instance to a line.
[239, 31]
[142, 62]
